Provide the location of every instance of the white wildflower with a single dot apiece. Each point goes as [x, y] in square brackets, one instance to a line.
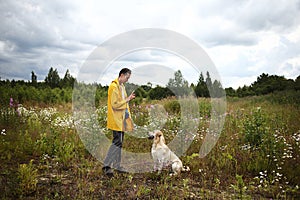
[3, 132]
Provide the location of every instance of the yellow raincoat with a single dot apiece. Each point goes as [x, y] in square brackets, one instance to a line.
[116, 107]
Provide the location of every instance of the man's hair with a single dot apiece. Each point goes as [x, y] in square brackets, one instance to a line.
[124, 71]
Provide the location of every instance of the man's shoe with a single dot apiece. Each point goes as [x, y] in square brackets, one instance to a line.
[121, 170]
[108, 171]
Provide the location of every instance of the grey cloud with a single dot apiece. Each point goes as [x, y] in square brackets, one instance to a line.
[145, 55]
[23, 28]
[280, 55]
[247, 19]
[230, 37]
[34, 36]
[154, 73]
[256, 15]
[30, 25]
[268, 15]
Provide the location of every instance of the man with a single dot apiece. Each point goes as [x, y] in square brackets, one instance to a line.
[118, 120]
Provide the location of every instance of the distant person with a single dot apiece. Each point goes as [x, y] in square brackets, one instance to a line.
[118, 120]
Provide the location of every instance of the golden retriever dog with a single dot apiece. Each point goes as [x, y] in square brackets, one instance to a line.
[163, 157]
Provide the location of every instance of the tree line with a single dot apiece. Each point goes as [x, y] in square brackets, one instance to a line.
[266, 84]
[55, 89]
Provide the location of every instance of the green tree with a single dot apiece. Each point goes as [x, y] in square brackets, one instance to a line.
[52, 79]
[201, 89]
[230, 92]
[297, 83]
[68, 80]
[217, 89]
[33, 79]
[160, 92]
[244, 91]
[178, 85]
[266, 84]
[208, 83]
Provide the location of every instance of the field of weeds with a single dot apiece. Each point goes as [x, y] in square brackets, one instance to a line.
[257, 155]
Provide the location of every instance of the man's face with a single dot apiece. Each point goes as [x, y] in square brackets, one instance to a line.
[125, 77]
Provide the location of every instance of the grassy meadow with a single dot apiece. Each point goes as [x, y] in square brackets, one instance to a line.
[256, 157]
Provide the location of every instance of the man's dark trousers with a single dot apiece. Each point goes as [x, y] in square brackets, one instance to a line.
[113, 157]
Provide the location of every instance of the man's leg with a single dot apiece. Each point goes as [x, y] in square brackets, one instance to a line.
[118, 143]
[113, 157]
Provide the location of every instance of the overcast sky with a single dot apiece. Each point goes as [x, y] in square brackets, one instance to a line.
[243, 38]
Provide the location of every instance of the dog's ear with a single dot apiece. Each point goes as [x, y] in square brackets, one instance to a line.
[162, 137]
[156, 138]
[159, 134]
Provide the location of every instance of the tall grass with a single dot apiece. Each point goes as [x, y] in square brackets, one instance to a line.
[256, 156]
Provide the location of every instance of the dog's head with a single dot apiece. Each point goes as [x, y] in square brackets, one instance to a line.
[157, 136]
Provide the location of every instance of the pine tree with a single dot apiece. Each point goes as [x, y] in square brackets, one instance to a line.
[33, 78]
[52, 79]
[178, 85]
[68, 80]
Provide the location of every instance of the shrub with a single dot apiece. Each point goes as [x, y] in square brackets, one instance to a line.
[27, 175]
[255, 128]
[172, 106]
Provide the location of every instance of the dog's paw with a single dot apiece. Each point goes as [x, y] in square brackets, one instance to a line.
[174, 174]
[186, 168]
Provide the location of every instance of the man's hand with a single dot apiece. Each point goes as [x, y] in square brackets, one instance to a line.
[131, 96]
